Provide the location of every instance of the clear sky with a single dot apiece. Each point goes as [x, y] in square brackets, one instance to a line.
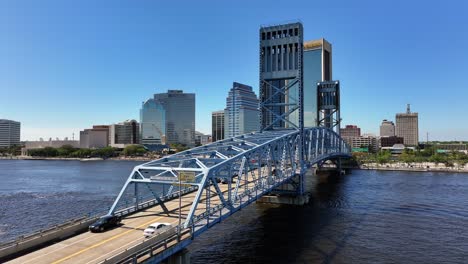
[66, 65]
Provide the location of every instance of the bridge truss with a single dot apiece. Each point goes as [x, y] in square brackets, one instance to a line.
[230, 174]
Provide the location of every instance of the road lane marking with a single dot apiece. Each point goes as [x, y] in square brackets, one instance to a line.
[94, 260]
[65, 246]
[104, 241]
[60, 248]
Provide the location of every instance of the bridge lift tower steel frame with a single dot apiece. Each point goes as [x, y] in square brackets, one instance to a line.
[281, 83]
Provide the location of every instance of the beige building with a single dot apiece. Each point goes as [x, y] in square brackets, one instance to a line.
[407, 127]
[387, 129]
[365, 141]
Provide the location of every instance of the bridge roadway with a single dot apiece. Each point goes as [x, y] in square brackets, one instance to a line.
[96, 247]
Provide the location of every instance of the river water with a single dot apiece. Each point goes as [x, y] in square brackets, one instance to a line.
[364, 217]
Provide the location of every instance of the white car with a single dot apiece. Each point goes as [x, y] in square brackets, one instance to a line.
[155, 228]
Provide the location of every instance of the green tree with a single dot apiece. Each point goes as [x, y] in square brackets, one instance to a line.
[134, 150]
[106, 152]
[65, 150]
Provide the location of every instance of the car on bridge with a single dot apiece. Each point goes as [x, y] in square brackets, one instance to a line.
[155, 228]
[104, 223]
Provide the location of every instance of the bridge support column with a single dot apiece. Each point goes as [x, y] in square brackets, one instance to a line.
[181, 257]
[288, 192]
[285, 199]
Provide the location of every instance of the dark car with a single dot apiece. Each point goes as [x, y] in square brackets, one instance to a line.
[105, 222]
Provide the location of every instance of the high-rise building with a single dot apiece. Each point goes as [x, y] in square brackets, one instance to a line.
[317, 68]
[407, 127]
[281, 82]
[9, 133]
[152, 123]
[387, 128]
[180, 116]
[123, 134]
[241, 115]
[350, 131]
[217, 125]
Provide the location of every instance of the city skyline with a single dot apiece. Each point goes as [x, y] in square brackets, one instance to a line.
[68, 66]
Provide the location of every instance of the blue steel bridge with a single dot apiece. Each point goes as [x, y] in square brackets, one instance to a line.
[196, 189]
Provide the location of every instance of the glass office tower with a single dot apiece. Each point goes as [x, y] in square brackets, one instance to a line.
[241, 114]
[317, 68]
[180, 116]
[152, 123]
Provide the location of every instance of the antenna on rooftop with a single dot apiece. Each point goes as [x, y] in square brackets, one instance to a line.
[408, 111]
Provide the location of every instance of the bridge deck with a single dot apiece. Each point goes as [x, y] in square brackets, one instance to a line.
[96, 247]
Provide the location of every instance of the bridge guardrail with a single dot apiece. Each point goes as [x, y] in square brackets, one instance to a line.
[157, 239]
[71, 227]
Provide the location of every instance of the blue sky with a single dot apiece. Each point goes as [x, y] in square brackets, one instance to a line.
[66, 65]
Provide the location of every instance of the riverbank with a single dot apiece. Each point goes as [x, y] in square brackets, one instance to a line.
[79, 159]
[422, 167]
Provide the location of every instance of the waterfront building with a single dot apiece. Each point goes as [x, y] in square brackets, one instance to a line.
[124, 134]
[96, 137]
[369, 142]
[281, 69]
[152, 123]
[407, 127]
[390, 141]
[179, 116]
[350, 131]
[451, 147]
[387, 128]
[217, 125]
[10, 132]
[317, 68]
[241, 115]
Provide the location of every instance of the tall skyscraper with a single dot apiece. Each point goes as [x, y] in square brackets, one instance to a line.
[123, 134]
[180, 116]
[9, 133]
[152, 123]
[387, 128]
[317, 68]
[407, 127]
[281, 83]
[241, 114]
[217, 125]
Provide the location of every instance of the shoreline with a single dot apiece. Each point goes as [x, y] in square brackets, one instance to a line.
[415, 169]
[78, 159]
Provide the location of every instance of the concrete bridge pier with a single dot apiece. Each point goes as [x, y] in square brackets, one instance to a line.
[181, 257]
[286, 193]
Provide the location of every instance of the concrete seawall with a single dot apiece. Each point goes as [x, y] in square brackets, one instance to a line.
[423, 167]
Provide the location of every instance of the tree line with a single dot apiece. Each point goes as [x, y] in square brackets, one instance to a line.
[428, 154]
[68, 151]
